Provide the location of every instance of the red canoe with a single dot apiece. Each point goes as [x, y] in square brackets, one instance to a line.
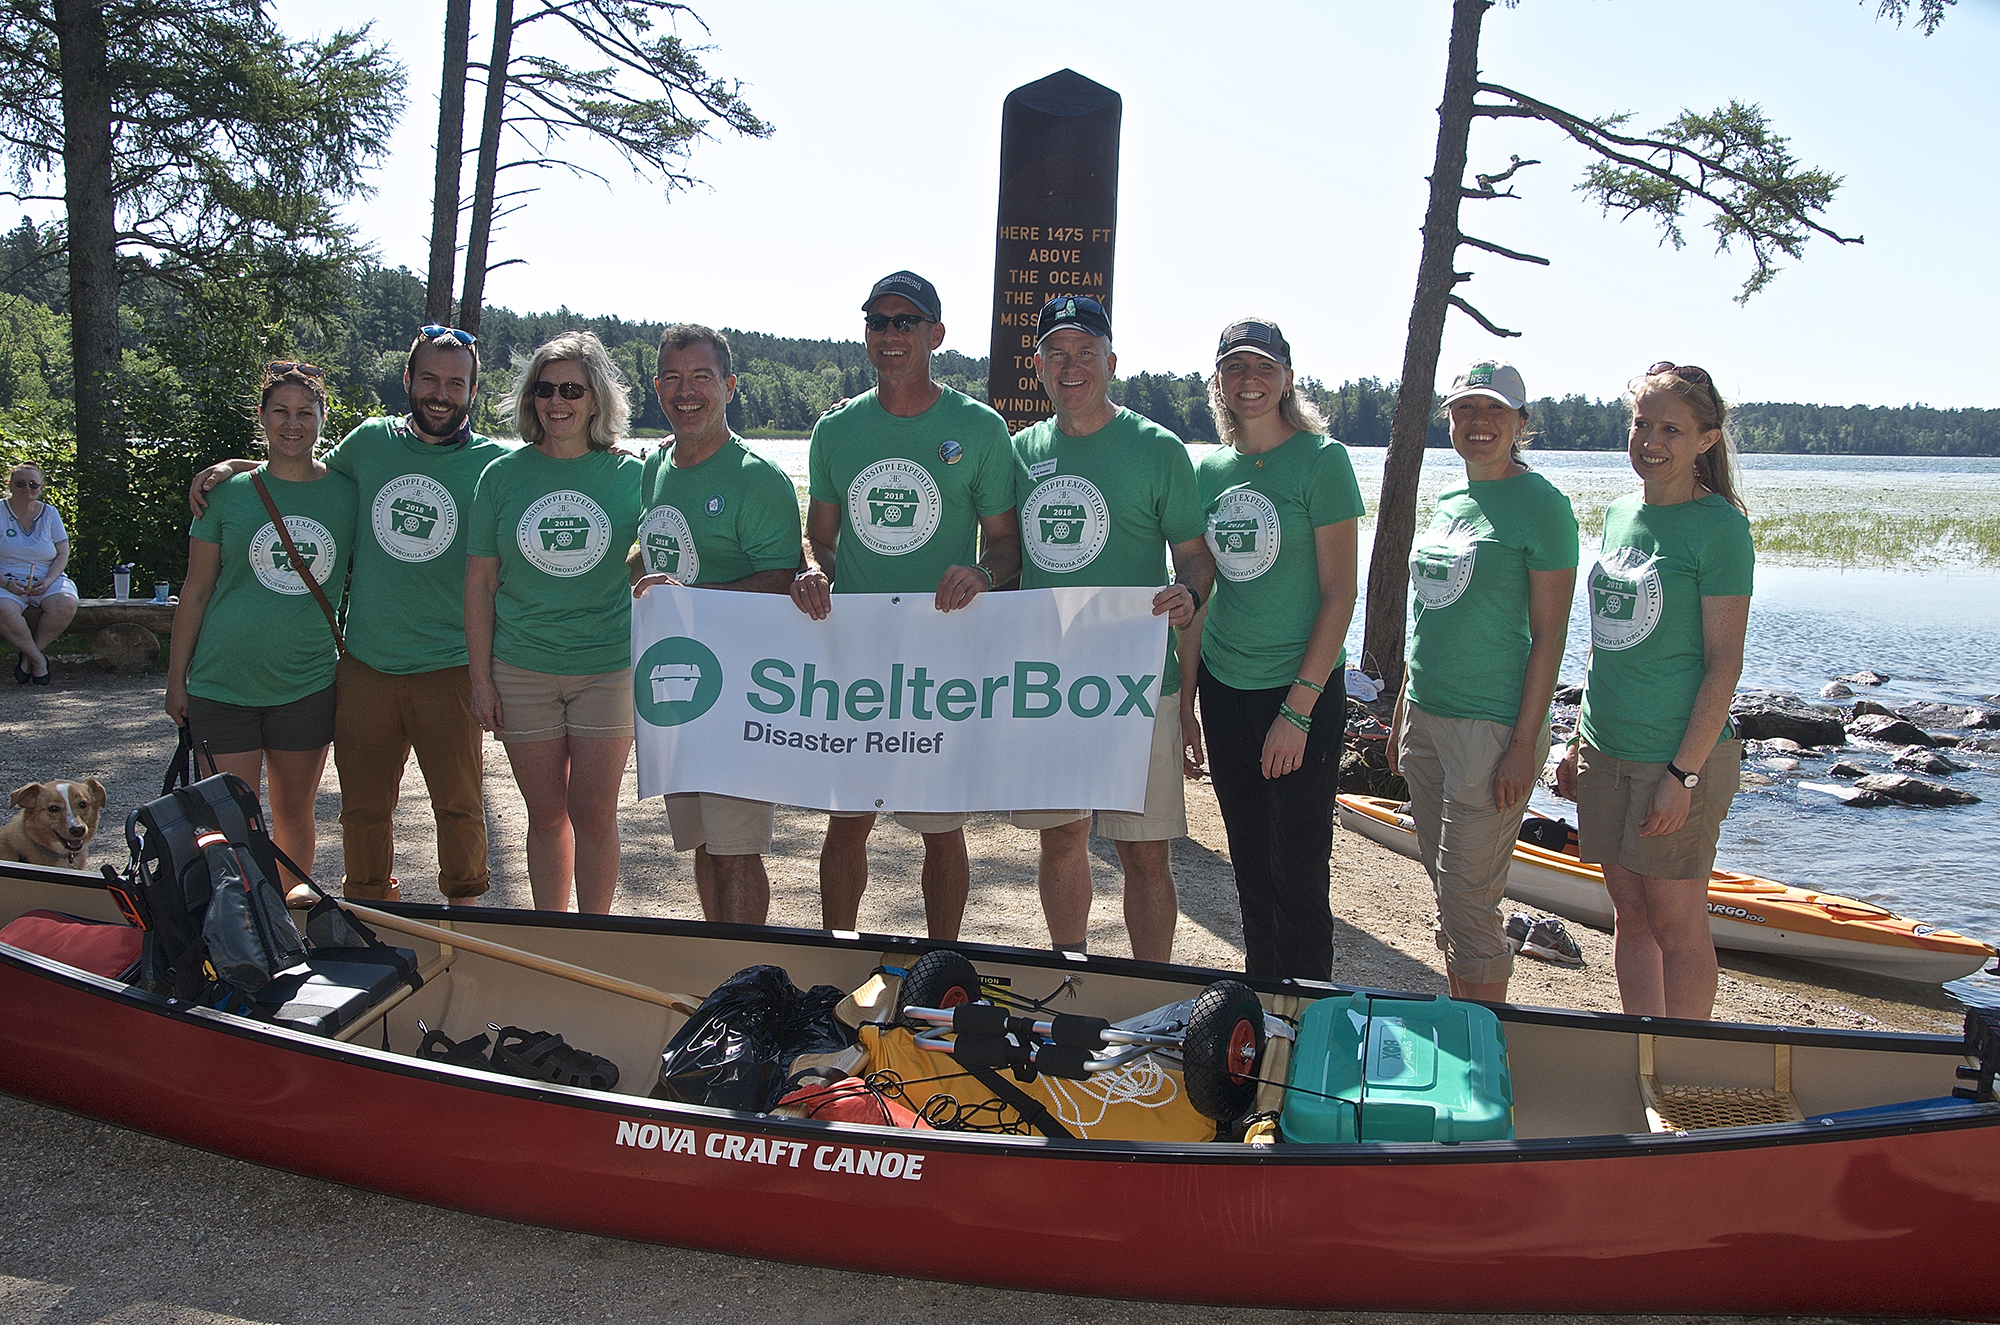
[1879, 1195]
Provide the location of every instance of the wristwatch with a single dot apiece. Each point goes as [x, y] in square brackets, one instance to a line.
[1682, 776]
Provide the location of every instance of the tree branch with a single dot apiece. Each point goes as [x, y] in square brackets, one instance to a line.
[1503, 252]
[1480, 317]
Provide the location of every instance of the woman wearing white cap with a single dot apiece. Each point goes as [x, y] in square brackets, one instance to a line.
[1657, 761]
[1493, 578]
[1283, 508]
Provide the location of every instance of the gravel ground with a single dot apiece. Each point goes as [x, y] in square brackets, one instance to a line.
[105, 1225]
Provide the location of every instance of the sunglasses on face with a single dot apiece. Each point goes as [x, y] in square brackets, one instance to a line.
[433, 331]
[900, 321]
[280, 367]
[27, 484]
[570, 390]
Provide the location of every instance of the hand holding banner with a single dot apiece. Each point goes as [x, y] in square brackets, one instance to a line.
[1041, 699]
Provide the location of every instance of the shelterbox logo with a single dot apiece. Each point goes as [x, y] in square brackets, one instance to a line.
[676, 681]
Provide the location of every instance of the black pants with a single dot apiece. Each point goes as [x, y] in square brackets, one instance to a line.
[1280, 830]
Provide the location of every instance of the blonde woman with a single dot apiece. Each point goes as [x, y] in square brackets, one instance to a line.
[34, 548]
[548, 614]
[1657, 760]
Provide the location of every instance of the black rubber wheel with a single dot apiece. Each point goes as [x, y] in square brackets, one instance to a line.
[1222, 1050]
[940, 979]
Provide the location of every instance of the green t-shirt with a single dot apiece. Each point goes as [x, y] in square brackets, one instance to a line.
[1656, 565]
[1262, 511]
[406, 612]
[732, 515]
[264, 641]
[911, 492]
[1469, 576]
[561, 528]
[1104, 509]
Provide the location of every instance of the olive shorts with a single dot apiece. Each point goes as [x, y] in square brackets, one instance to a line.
[1613, 795]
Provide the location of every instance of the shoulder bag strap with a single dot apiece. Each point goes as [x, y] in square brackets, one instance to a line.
[304, 571]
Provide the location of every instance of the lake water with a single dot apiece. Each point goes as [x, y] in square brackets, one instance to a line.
[1931, 622]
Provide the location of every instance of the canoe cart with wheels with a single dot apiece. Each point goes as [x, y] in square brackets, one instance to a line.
[1745, 913]
[1269, 1143]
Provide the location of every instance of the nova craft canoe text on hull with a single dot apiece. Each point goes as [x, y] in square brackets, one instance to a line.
[1594, 1162]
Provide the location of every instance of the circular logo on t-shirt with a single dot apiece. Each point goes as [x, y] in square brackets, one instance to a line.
[1625, 598]
[668, 544]
[1244, 534]
[1441, 565]
[415, 519]
[894, 507]
[676, 680]
[1065, 523]
[564, 533]
[273, 565]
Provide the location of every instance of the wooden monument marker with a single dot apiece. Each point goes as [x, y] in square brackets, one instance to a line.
[1058, 220]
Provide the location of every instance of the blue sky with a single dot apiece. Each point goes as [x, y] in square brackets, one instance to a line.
[1274, 160]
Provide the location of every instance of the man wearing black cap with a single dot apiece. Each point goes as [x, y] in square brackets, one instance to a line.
[910, 490]
[1104, 495]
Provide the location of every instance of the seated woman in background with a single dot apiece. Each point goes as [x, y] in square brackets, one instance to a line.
[34, 548]
[1493, 578]
[251, 670]
[1283, 508]
[548, 616]
[1656, 762]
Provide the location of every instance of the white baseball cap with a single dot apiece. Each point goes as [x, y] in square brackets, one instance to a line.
[1495, 378]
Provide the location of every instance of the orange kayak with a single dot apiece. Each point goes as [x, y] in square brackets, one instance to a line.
[1745, 913]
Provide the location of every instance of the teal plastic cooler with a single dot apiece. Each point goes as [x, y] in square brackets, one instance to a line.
[1398, 1069]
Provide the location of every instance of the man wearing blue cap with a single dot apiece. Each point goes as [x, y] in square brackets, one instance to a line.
[1105, 494]
[910, 490]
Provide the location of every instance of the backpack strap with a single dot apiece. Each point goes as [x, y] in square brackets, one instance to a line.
[304, 572]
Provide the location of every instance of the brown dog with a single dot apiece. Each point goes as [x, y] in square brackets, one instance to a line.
[54, 823]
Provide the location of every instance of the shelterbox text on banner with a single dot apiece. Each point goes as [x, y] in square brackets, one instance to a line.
[1041, 699]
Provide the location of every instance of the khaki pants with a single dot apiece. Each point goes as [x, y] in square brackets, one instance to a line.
[380, 718]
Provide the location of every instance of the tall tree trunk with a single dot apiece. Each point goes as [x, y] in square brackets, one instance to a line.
[1382, 635]
[450, 159]
[473, 301]
[93, 259]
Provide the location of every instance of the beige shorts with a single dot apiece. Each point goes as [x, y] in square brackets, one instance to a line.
[726, 825]
[1165, 815]
[1612, 797]
[916, 823]
[540, 706]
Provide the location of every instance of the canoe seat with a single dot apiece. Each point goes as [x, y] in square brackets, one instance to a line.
[1672, 1108]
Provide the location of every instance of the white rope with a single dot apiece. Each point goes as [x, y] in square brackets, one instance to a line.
[1135, 1083]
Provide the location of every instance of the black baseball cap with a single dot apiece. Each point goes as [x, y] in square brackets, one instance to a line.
[913, 288]
[1256, 336]
[1075, 311]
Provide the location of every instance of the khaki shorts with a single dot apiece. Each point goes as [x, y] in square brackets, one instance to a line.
[726, 825]
[1612, 796]
[916, 823]
[1165, 815]
[540, 706]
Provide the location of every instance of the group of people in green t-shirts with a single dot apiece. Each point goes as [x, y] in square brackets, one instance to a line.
[491, 584]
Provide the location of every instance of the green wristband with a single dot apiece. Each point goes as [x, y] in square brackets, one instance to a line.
[991, 583]
[1296, 718]
[1301, 681]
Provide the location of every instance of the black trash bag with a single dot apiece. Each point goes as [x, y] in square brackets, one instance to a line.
[737, 1049]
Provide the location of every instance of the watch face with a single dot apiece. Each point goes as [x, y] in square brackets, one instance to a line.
[1690, 780]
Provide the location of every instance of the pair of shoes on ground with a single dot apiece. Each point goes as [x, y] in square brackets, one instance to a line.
[538, 1055]
[1543, 937]
[22, 676]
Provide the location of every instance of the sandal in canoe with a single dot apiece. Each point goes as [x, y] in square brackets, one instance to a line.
[544, 1056]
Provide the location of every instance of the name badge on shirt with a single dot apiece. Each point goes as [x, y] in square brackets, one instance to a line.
[1041, 469]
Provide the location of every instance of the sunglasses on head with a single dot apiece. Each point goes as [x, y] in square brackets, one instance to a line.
[1687, 372]
[900, 321]
[570, 390]
[281, 367]
[433, 331]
